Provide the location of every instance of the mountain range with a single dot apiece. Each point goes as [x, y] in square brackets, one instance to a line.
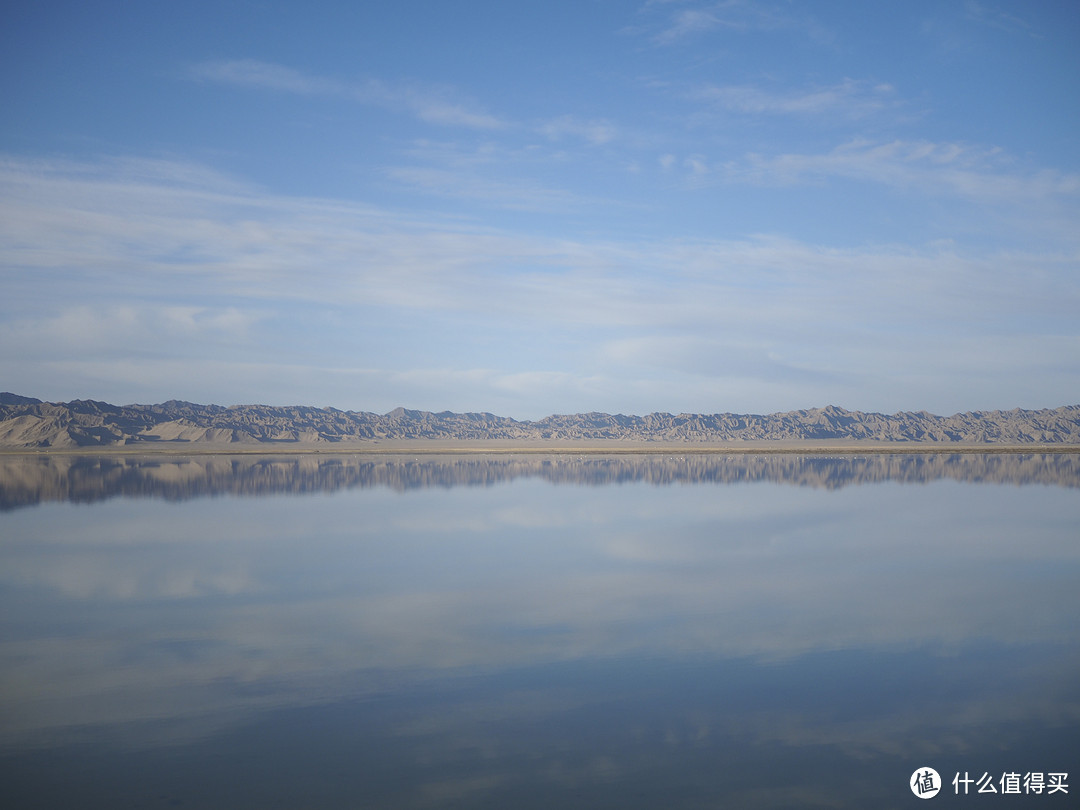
[29, 423]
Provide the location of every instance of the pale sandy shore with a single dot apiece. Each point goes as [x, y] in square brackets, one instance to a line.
[505, 446]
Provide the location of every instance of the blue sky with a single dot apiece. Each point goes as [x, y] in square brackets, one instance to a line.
[533, 208]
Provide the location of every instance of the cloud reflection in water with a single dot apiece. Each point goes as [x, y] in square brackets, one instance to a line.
[521, 638]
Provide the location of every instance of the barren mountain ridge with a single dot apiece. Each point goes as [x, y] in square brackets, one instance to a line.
[26, 422]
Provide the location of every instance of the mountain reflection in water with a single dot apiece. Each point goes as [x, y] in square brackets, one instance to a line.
[30, 479]
[654, 631]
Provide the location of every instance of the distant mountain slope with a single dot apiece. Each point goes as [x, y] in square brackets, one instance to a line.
[26, 422]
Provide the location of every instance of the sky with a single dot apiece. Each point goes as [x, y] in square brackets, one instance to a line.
[531, 208]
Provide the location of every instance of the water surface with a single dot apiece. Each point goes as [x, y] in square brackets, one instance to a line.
[535, 631]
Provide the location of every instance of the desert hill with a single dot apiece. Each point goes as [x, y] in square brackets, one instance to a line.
[30, 423]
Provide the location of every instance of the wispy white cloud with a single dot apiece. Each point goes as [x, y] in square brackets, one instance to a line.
[267, 247]
[596, 132]
[963, 31]
[849, 98]
[683, 23]
[433, 104]
[517, 195]
[687, 22]
[986, 174]
[152, 280]
[696, 165]
[437, 106]
[81, 221]
[267, 76]
[995, 17]
[495, 174]
[125, 329]
[722, 355]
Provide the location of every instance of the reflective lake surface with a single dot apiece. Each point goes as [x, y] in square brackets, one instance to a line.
[526, 631]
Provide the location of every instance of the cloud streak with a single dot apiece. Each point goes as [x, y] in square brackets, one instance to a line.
[984, 174]
[735, 16]
[595, 132]
[850, 98]
[151, 264]
[436, 105]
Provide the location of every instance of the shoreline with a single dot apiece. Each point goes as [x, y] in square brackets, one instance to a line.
[509, 446]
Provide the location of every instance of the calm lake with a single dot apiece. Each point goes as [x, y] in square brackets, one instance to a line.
[538, 631]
